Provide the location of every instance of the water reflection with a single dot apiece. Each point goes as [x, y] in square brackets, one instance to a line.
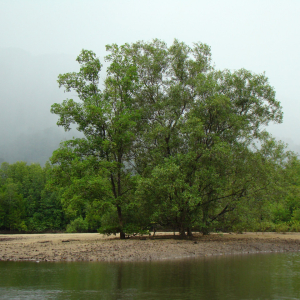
[267, 276]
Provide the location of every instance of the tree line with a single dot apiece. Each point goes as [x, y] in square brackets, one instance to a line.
[169, 142]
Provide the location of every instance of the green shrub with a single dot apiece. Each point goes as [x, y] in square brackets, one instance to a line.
[264, 226]
[239, 228]
[296, 215]
[282, 227]
[295, 226]
[109, 223]
[77, 225]
[281, 213]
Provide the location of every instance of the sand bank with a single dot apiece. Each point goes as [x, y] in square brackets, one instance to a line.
[96, 247]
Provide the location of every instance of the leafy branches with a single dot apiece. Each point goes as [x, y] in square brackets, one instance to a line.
[169, 138]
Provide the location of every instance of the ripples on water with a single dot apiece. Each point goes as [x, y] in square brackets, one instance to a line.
[260, 276]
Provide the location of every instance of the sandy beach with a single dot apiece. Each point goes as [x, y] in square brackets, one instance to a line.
[96, 247]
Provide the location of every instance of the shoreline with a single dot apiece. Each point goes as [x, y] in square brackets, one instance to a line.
[164, 246]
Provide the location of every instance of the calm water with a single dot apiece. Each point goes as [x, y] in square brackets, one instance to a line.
[262, 276]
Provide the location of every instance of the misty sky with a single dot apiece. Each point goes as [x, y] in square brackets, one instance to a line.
[41, 38]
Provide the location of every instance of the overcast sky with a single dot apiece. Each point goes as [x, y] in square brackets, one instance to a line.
[262, 36]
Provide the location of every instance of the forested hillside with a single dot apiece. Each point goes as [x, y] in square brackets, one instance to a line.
[169, 143]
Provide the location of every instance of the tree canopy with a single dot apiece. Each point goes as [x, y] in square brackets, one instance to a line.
[168, 140]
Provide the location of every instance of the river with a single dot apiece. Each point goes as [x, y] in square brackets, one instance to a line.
[259, 276]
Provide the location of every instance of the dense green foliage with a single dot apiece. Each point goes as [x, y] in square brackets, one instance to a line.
[25, 202]
[169, 142]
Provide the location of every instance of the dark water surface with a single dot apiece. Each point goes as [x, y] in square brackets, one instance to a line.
[260, 276]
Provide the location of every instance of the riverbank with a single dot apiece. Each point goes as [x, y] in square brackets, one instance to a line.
[96, 247]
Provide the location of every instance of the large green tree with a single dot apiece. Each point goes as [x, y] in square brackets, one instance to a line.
[108, 119]
[197, 153]
[169, 138]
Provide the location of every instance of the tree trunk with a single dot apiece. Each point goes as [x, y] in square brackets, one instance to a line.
[205, 231]
[204, 221]
[182, 231]
[122, 233]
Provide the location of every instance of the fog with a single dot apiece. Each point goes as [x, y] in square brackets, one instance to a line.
[28, 88]
[41, 39]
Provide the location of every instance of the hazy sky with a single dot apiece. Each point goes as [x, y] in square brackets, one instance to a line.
[260, 35]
